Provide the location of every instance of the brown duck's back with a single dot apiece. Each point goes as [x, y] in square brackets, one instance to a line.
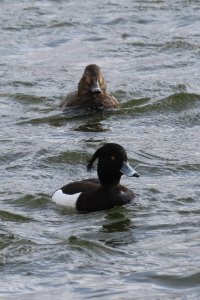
[89, 100]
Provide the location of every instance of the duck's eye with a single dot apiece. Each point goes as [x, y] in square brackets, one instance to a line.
[113, 157]
[87, 77]
[100, 79]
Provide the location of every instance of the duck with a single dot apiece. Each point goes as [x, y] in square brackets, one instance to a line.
[104, 192]
[91, 92]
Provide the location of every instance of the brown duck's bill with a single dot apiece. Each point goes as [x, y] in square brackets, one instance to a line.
[127, 170]
[95, 87]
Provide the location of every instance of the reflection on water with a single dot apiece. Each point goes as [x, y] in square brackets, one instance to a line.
[117, 221]
[118, 228]
[92, 127]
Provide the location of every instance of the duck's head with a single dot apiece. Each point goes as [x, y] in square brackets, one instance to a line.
[92, 81]
[112, 164]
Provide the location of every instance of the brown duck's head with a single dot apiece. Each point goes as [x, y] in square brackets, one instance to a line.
[92, 81]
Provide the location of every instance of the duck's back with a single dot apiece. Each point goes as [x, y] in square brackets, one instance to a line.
[89, 101]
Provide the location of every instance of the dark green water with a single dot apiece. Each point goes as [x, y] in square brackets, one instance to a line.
[149, 52]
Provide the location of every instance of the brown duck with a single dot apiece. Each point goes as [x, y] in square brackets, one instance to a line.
[91, 92]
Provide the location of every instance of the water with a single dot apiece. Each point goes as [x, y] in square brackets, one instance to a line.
[149, 52]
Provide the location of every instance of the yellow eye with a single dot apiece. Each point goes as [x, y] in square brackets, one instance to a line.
[113, 157]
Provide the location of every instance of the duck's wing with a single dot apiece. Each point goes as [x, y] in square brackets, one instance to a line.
[70, 100]
[69, 193]
[110, 101]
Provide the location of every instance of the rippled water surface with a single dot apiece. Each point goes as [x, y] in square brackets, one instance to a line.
[149, 52]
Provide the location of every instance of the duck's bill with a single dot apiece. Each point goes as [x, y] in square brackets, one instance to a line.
[95, 87]
[127, 170]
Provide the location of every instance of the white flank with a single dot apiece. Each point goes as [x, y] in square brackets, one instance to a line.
[64, 199]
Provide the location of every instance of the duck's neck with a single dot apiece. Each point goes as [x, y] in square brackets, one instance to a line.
[109, 179]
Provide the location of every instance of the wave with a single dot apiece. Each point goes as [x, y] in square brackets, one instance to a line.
[174, 102]
[178, 282]
[179, 109]
[28, 98]
[30, 201]
[13, 217]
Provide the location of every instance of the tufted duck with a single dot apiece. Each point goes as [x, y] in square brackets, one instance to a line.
[106, 191]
